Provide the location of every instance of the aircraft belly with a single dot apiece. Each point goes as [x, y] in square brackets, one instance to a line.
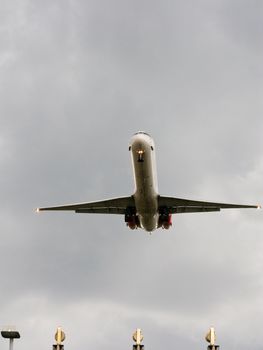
[147, 207]
[145, 196]
[149, 222]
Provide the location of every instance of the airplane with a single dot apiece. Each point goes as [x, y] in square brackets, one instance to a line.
[146, 208]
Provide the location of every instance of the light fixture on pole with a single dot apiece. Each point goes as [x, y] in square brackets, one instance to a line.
[11, 334]
[59, 337]
[211, 339]
[138, 338]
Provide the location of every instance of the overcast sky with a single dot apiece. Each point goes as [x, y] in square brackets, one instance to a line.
[77, 79]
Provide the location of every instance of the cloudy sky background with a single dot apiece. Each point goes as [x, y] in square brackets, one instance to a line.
[77, 79]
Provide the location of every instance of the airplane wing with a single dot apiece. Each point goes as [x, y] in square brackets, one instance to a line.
[180, 205]
[108, 206]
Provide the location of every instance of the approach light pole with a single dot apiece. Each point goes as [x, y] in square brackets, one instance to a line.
[60, 336]
[11, 334]
[211, 339]
[138, 338]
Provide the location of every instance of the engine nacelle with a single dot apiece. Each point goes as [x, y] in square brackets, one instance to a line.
[165, 221]
[132, 225]
[132, 220]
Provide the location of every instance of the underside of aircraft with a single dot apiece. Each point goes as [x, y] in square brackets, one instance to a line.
[145, 209]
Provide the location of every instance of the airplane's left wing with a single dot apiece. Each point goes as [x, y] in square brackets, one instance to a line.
[108, 206]
[180, 205]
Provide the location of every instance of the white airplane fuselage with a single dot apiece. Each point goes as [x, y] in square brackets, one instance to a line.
[145, 179]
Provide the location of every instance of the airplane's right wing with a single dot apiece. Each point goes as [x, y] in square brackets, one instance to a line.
[180, 205]
[108, 206]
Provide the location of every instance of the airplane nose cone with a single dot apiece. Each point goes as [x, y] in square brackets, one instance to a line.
[142, 133]
[140, 140]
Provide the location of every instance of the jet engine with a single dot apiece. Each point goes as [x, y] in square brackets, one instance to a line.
[131, 219]
[165, 219]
